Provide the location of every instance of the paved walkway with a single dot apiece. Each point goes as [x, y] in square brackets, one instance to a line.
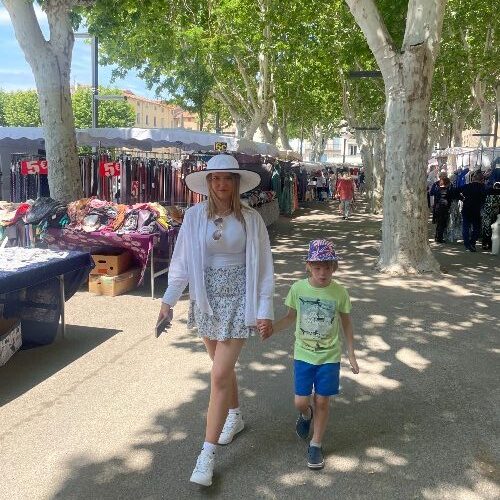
[112, 413]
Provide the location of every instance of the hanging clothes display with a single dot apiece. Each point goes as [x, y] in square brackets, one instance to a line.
[302, 184]
[28, 180]
[284, 184]
[125, 177]
[490, 212]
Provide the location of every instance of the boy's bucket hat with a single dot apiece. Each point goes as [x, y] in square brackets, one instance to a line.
[321, 250]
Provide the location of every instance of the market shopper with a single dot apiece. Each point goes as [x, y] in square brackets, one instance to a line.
[441, 192]
[473, 196]
[345, 193]
[333, 182]
[317, 306]
[361, 182]
[321, 186]
[223, 253]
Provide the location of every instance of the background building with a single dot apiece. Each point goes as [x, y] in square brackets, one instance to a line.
[338, 150]
[150, 113]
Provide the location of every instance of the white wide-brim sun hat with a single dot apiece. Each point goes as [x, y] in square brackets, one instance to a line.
[197, 181]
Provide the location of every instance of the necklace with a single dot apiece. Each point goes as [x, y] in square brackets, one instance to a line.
[223, 214]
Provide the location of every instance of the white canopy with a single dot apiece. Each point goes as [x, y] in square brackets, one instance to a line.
[458, 150]
[144, 139]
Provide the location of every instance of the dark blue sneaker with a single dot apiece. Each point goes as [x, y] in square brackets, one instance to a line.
[315, 458]
[303, 426]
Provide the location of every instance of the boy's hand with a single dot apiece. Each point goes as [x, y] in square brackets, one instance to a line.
[265, 327]
[354, 364]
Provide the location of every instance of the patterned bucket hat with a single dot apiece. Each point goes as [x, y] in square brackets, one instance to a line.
[321, 250]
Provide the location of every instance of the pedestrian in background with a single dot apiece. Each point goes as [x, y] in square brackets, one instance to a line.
[442, 194]
[320, 186]
[345, 193]
[473, 196]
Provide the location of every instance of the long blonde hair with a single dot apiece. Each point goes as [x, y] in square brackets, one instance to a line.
[236, 206]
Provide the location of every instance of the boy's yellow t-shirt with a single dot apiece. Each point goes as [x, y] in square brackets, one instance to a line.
[317, 339]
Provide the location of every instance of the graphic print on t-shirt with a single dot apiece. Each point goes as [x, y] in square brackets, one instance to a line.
[316, 322]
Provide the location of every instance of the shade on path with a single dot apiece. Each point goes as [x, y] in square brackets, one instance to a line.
[112, 413]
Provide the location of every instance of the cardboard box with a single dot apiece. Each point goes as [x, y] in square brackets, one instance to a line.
[112, 264]
[10, 338]
[114, 285]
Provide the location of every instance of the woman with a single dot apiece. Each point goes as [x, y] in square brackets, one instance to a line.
[442, 193]
[223, 253]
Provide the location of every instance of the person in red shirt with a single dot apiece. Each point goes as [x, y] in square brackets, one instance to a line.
[345, 193]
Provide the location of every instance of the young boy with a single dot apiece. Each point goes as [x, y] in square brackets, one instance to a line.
[317, 305]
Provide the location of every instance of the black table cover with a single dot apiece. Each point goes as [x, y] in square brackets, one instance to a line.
[32, 293]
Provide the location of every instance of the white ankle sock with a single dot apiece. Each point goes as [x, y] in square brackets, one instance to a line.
[313, 443]
[210, 447]
[235, 410]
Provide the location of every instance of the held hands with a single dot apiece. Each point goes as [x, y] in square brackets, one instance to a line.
[265, 327]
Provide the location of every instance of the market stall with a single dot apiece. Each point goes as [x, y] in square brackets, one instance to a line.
[30, 142]
[34, 285]
[136, 181]
[141, 246]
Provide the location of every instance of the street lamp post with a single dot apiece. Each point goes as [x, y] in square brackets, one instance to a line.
[95, 76]
[482, 147]
[95, 82]
[345, 136]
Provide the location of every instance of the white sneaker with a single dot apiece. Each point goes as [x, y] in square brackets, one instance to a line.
[204, 468]
[234, 424]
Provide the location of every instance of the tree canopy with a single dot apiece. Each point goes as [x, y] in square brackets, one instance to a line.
[272, 65]
[21, 109]
[111, 113]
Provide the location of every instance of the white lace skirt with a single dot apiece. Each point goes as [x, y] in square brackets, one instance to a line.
[226, 292]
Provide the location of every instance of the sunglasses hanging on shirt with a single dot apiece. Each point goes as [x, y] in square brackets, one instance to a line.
[217, 234]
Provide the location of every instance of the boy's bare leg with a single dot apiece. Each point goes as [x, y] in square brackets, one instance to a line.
[302, 404]
[321, 412]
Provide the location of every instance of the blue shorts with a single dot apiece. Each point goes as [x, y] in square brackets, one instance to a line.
[324, 378]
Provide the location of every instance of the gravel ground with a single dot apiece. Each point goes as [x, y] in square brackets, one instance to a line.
[110, 412]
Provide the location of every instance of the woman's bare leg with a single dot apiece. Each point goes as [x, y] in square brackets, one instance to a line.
[211, 346]
[222, 386]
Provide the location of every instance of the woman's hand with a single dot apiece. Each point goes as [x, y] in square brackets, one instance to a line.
[164, 311]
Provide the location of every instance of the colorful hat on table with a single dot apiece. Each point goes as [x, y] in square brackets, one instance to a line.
[197, 181]
[321, 251]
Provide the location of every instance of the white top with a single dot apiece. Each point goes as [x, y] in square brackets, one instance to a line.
[229, 249]
[188, 263]
[320, 181]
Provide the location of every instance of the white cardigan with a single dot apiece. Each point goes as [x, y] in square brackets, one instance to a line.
[188, 263]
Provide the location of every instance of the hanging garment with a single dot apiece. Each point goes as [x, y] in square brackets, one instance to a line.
[453, 230]
[490, 212]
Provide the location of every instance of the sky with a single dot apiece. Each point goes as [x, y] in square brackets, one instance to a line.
[16, 74]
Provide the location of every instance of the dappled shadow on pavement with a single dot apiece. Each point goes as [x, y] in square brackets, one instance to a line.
[417, 422]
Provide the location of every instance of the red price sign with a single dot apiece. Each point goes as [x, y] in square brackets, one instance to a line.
[109, 169]
[34, 167]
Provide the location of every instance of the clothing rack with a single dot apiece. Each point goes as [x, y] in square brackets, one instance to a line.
[285, 184]
[139, 177]
[144, 179]
[25, 187]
